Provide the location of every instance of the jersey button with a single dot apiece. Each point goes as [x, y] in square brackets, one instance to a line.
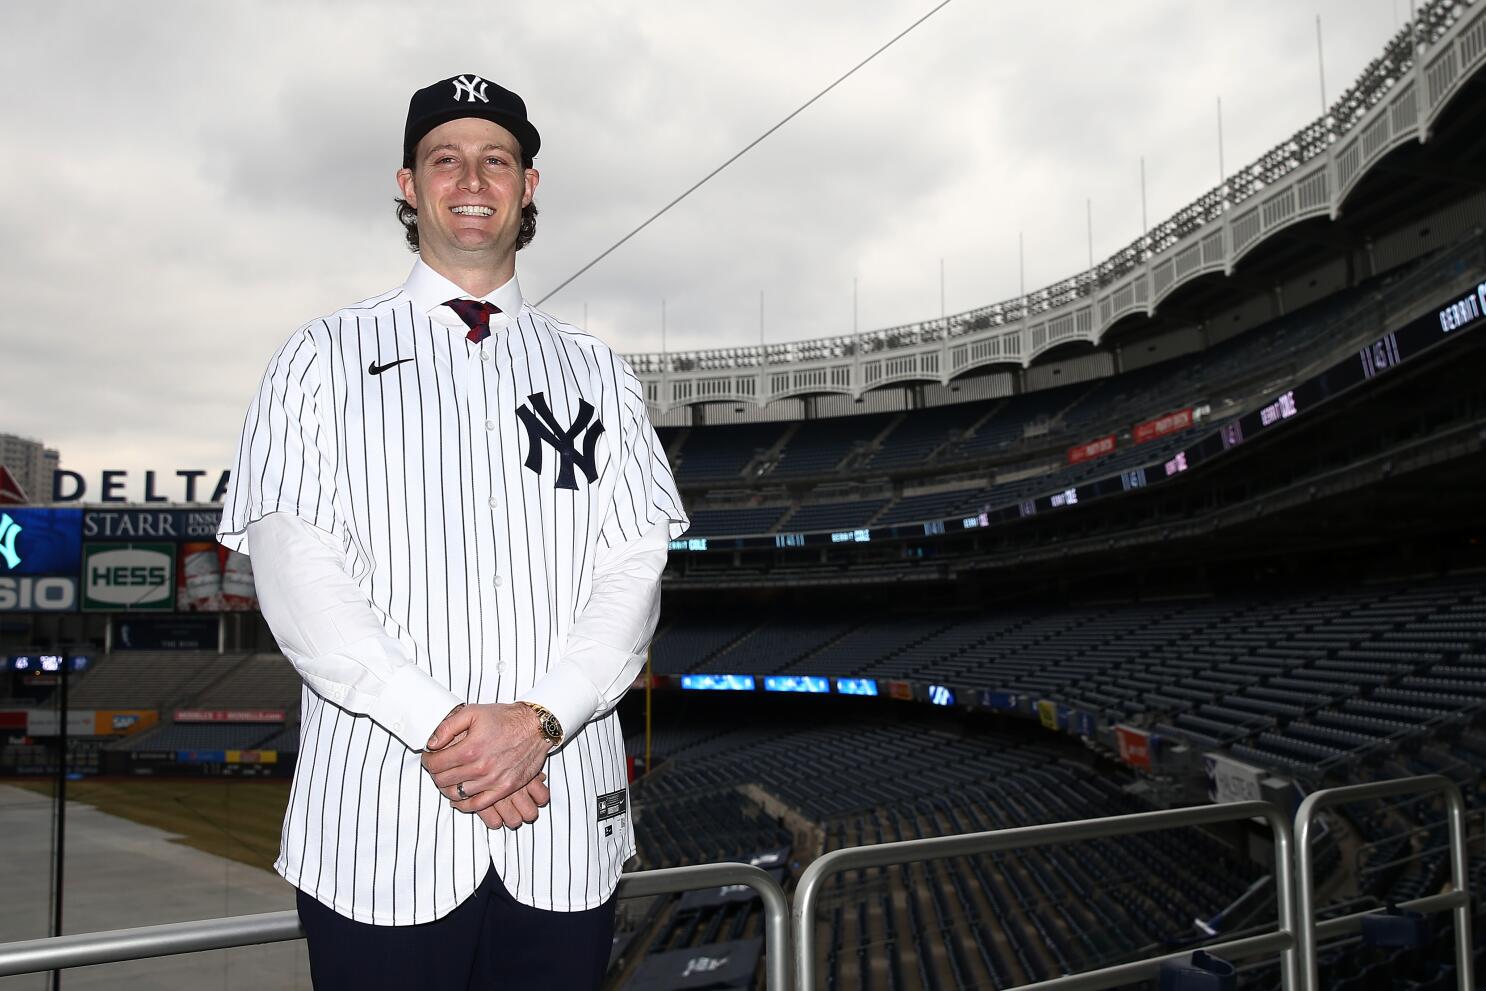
[494, 502]
[484, 355]
[500, 668]
[489, 424]
[499, 581]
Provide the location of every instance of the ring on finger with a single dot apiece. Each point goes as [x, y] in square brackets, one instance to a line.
[459, 789]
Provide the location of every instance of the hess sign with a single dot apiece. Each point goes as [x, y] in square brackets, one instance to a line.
[128, 576]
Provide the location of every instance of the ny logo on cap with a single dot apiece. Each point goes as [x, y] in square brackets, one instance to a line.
[472, 88]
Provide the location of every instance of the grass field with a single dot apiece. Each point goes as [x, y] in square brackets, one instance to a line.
[233, 818]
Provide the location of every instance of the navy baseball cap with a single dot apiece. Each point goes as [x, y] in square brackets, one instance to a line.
[468, 95]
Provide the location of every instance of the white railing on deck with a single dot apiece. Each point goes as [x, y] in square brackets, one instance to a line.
[1395, 100]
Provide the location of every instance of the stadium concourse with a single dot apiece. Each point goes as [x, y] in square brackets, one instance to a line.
[1206, 523]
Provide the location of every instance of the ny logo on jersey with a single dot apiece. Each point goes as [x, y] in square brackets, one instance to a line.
[542, 428]
[9, 530]
[472, 88]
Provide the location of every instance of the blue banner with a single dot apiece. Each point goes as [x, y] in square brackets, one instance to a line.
[40, 541]
[151, 524]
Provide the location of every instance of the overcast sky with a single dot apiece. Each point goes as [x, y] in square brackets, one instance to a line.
[187, 182]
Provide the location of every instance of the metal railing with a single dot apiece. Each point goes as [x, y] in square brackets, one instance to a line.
[84, 949]
[1457, 900]
[1282, 940]
[1390, 74]
[789, 934]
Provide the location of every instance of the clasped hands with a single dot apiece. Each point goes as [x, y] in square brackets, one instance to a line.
[496, 752]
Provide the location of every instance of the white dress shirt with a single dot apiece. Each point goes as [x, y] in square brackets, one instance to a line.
[434, 521]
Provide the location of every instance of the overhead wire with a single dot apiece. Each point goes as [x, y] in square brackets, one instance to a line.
[745, 150]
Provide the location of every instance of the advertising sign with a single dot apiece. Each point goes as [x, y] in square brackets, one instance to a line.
[150, 524]
[940, 695]
[1047, 713]
[211, 578]
[1229, 780]
[112, 485]
[45, 722]
[796, 683]
[33, 664]
[1135, 746]
[718, 682]
[165, 633]
[229, 715]
[121, 722]
[128, 577]
[39, 541]
[998, 700]
[856, 686]
[1093, 449]
[1169, 423]
[900, 690]
[227, 756]
[91, 722]
[39, 554]
[1079, 722]
[35, 593]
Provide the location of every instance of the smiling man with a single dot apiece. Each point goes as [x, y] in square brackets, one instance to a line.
[458, 513]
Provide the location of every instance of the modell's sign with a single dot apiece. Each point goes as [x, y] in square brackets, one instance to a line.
[229, 715]
[1170, 423]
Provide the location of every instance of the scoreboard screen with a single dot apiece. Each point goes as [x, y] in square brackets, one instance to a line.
[796, 683]
[718, 682]
[45, 663]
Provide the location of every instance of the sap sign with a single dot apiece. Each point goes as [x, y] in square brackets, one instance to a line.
[128, 576]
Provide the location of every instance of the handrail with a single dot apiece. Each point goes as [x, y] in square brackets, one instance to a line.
[807, 892]
[786, 930]
[1457, 900]
[82, 949]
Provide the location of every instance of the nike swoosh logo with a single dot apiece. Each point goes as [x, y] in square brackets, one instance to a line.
[376, 369]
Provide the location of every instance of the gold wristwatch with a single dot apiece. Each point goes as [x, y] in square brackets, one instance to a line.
[546, 722]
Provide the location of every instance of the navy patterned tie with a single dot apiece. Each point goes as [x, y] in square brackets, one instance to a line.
[476, 315]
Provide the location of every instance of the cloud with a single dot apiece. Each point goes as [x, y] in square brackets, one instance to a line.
[181, 202]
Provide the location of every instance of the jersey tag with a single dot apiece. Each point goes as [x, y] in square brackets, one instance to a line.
[613, 804]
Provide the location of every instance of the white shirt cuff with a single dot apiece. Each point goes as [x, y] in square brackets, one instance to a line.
[412, 705]
[568, 695]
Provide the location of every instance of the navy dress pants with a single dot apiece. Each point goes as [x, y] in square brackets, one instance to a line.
[490, 942]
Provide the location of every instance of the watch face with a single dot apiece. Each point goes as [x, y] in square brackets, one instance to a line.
[550, 727]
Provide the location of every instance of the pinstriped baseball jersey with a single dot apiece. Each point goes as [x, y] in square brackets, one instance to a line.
[470, 486]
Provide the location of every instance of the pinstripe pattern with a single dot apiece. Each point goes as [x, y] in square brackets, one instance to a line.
[476, 563]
